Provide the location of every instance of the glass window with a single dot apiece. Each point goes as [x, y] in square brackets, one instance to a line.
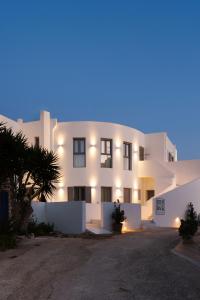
[127, 195]
[170, 157]
[127, 156]
[160, 206]
[79, 156]
[79, 193]
[106, 153]
[141, 153]
[106, 194]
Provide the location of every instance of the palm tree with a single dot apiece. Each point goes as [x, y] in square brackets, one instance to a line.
[32, 173]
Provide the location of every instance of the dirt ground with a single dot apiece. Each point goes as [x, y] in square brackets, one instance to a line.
[132, 266]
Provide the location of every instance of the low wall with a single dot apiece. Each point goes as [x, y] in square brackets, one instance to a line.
[67, 217]
[176, 202]
[106, 215]
[132, 213]
[93, 212]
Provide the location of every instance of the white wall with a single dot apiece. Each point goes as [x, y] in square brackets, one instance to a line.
[158, 145]
[93, 175]
[132, 213]
[185, 170]
[163, 176]
[67, 217]
[107, 209]
[176, 202]
[93, 212]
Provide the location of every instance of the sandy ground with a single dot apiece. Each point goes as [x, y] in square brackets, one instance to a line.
[132, 266]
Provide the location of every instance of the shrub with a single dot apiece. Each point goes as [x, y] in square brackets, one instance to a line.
[40, 229]
[7, 241]
[118, 217]
[7, 236]
[189, 226]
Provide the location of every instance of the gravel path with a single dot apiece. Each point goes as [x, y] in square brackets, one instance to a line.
[132, 266]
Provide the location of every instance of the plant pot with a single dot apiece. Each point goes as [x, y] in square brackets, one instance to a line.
[117, 228]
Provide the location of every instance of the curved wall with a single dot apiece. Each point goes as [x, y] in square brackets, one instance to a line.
[93, 175]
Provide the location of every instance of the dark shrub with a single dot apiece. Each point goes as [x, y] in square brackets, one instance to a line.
[40, 229]
[7, 236]
[118, 217]
[189, 226]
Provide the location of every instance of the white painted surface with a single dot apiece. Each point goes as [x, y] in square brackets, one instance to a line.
[133, 215]
[176, 202]
[39, 212]
[58, 136]
[93, 212]
[67, 217]
[185, 170]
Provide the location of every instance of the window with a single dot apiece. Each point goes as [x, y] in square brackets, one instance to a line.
[170, 157]
[79, 159]
[37, 142]
[106, 153]
[141, 153]
[160, 206]
[106, 194]
[127, 195]
[127, 155]
[79, 193]
[150, 194]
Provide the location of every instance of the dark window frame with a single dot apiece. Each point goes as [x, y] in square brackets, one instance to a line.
[127, 191]
[141, 153]
[127, 154]
[109, 188]
[106, 152]
[79, 151]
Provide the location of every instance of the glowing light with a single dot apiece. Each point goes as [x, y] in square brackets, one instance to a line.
[61, 192]
[177, 222]
[125, 226]
[93, 182]
[60, 140]
[118, 192]
[118, 183]
[60, 150]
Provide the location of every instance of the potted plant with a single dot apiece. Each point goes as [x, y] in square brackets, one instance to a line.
[189, 226]
[118, 218]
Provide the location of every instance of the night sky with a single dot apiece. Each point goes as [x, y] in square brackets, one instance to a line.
[130, 62]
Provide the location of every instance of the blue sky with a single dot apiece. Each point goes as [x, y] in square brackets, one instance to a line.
[130, 62]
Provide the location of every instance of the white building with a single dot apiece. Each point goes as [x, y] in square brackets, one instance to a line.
[102, 162]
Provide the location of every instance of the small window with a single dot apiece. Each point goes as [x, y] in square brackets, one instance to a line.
[160, 206]
[106, 153]
[37, 142]
[170, 157]
[79, 193]
[79, 157]
[127, 195]
[141, 153]
[150, 194]
[127, 155]
[106, 194]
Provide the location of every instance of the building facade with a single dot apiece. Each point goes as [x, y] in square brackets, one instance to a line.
[102, 162]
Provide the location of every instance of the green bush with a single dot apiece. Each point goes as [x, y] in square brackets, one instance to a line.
[189, 226]
[40, 229]
[7, 241]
